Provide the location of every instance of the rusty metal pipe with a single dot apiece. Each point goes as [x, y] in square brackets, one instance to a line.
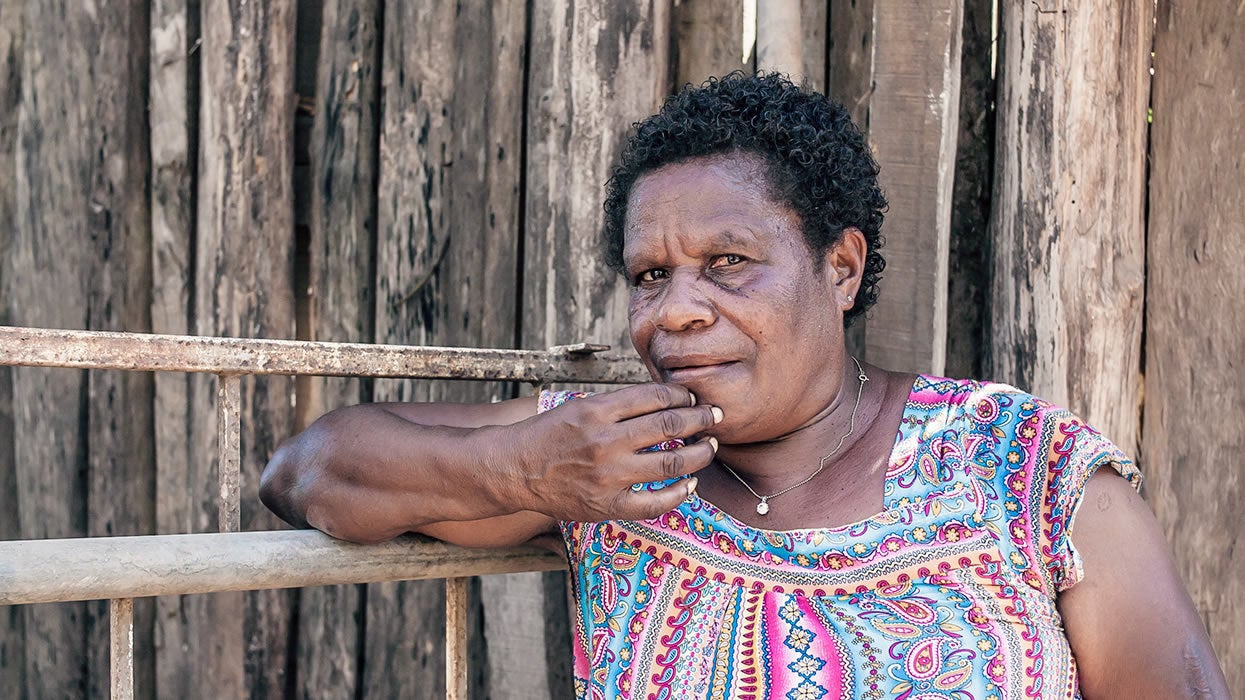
[95, 568]
[41, 347]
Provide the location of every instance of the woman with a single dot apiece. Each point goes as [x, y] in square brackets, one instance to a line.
[809, 526]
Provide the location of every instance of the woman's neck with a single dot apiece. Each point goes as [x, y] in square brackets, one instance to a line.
[774, 465]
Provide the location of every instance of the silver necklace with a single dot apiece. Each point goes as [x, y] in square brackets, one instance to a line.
[763, 505]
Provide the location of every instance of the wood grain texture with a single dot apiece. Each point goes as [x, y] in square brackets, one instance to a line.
[968, 312]
[1067, 222]
[814, 41]
[708, 39]
[63, 154]
[120, 431]
[1195, 354]
[595, 69]
[447, 242]
[791, 39]
[849, 79]
[181, 483]
[244, 286]
[344, 139]
[913, 127]
[12, 644]
[780, 34]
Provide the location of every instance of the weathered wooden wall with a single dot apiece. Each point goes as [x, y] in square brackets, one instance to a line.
[1068, 223]
[362, 170]
[1195, 350]
[12, 644]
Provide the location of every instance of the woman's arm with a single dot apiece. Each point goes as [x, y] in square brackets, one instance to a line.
[485, 475]
[1132, 626]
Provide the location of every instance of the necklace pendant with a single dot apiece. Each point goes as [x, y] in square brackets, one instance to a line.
[762, 507]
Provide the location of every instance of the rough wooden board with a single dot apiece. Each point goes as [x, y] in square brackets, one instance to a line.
[12, 646]
[51, 264]
[1195, 354]
[969, 255]
[709, 39]
[188, 652]
[1067, 222]
[815, 25]
[791, 39]
[595, 69]
[343, 230]
[244, 280]
[447, 242]
[780, 36]
[849, 79]
[912, 129]
[121, 460]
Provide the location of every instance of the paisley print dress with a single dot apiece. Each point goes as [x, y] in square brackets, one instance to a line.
[948, 593]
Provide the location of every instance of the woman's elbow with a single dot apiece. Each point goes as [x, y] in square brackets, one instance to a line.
[299, 473]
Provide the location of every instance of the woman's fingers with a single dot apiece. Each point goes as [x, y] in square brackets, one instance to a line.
[645, 505]
[671, 424]
[642, 399]
[671, 464]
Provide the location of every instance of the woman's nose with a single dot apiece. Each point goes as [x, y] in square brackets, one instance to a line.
[683, 307]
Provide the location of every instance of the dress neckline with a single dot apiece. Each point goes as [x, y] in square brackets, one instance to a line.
[883, 516]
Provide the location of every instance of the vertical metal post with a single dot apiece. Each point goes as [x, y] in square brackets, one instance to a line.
[456, 638]
[229, 448]
[121, 635]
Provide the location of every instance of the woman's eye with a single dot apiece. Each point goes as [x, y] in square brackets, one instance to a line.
[727, 260]
[650, 276]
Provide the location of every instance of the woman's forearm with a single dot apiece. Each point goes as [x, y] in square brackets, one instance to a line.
[365, 474]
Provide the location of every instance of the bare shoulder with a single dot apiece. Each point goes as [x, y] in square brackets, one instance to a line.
[1131, 624]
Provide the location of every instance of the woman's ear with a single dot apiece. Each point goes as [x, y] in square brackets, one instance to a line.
[845, 266]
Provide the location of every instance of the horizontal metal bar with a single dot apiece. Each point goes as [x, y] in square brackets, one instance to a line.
[94, 568]
[40, 347]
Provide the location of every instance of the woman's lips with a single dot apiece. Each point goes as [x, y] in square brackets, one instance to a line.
[695, 372]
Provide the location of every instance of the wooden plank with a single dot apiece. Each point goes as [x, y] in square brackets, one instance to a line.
[1194, 397]
[912, 129]
[243, 275]
[344, 142]
[192, 632]
[968, 310]
[121, 459]
[815, 42]
[791, 39]
[1068, 265]
[52, 263]
[780, 36]
[12, 14]
[447, 241]
[849, 79]
[595, 69]
[708, 38]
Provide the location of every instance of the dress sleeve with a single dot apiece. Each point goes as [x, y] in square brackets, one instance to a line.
[550, 400]
[1068, 453]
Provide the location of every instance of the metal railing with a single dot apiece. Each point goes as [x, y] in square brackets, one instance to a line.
[119, 569]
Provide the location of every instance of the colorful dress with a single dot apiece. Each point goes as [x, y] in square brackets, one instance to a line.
[949, 592]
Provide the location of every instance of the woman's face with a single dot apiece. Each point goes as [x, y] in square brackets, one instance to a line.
[727, 299]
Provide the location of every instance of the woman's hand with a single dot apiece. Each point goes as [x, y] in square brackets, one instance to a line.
[580, 460]
[488, 474]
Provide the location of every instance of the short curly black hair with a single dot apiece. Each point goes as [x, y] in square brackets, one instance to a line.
[817, 160]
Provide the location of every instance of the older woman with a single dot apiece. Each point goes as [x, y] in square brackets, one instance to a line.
[849, 532]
